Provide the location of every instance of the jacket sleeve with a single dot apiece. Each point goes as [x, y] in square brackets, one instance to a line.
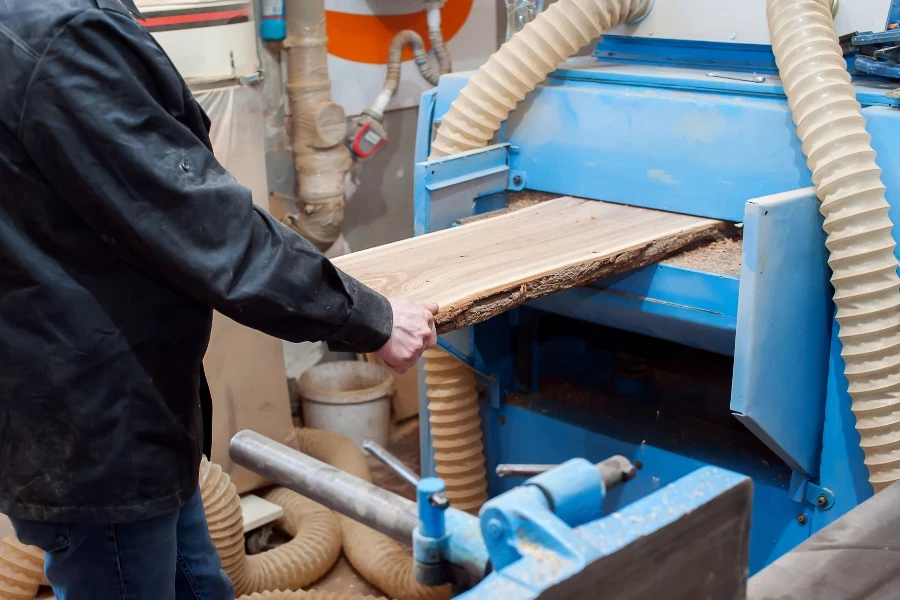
[110, 123]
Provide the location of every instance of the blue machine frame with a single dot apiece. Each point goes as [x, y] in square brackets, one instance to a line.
[658, 132]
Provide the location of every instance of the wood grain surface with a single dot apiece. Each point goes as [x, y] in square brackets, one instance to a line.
[476, 271]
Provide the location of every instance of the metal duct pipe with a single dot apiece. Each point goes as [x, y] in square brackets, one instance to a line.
[319, 126]
[360, 500]
[522, 63]
[861, 246]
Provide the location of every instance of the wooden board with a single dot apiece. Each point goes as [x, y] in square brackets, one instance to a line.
[480, 270]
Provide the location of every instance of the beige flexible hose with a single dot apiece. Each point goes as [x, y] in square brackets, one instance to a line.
[319, 126]
[313, 549]
[301, 595]
[402, 39]
[456, 430]
[436, 37]
[21, 569]
[384, 563]
[521, 64]
[848, 182]
[412, 39]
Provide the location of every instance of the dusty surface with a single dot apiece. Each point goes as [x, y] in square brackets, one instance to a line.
[515, 201]
[343, 579]
[722, 257]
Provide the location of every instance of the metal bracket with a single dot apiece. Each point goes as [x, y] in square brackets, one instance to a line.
[804, 490]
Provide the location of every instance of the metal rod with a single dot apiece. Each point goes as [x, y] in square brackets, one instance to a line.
[749, 79]
[360, 500]
[522, 470]
[399, 467]
[392, 462]
[614, 471]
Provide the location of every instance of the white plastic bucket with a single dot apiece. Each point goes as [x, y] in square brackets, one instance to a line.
[350, 398]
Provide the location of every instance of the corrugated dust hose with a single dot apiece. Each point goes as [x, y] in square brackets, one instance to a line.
[21, 569]
[386, 564]
[313, 549]
[310, 595]
[456, 430]
[522, 63]
[861, 245]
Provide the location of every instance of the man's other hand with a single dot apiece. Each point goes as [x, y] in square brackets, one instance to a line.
[413, 333]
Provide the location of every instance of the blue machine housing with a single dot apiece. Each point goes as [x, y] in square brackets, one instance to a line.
[642, 123]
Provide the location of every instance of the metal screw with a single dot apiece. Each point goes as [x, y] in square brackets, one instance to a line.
[495, 529]
[732, 36]
[517, 180]
[822, 501]
[439, 501]
[638, 465]
[801, 518]
[185, 167]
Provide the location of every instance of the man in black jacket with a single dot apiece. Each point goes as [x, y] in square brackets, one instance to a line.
[119, 235]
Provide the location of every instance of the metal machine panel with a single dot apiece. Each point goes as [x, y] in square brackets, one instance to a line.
[607, 131]
[783, 330]
[545, 433]
[730, 148]
[704, 516]
[741, 21]
[681, 305]
[453, 183]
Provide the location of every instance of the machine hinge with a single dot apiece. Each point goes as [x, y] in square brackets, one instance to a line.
[804, 490]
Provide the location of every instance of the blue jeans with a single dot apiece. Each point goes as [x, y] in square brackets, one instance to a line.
[170, 557]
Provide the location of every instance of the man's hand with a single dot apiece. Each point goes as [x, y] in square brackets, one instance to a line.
[413, 333]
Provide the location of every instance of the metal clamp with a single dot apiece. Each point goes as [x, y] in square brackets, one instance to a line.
[438, 499]
[803, 490]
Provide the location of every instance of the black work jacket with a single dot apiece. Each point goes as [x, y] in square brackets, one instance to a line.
[119, 234]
